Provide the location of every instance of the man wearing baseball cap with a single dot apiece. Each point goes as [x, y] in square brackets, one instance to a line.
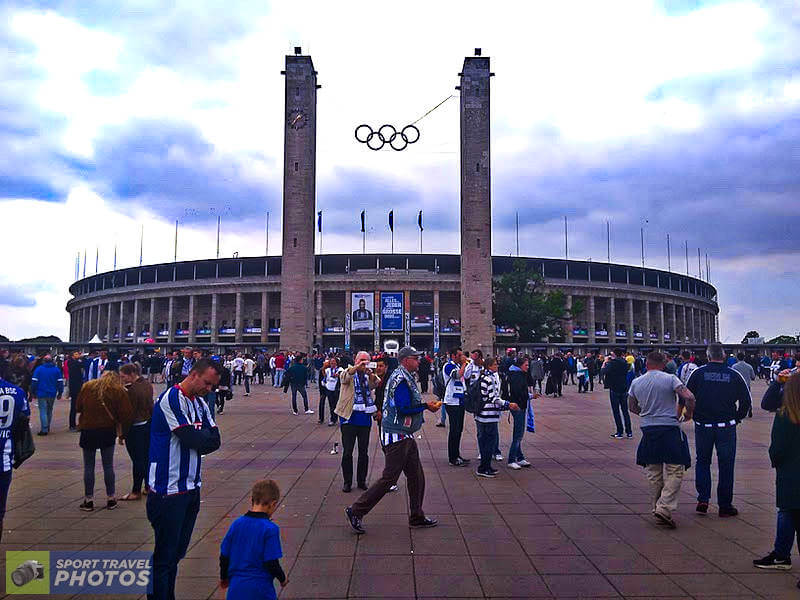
[402, 417]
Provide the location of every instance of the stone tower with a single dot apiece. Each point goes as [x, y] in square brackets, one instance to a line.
[299, 175]
[477, 327]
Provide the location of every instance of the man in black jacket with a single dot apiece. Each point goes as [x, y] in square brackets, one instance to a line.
[75, 368]
[723, 401]
[556, 368]
[615, 374]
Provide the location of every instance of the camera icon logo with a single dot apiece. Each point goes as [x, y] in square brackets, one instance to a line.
[27, 572]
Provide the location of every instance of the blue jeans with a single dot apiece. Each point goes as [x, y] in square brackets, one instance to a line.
[619, 403]
[46, 412]
[488, 437]
[784, 534]
[724, 440]
[172, 518]
[211, 401]
[443, 415]
[279, 377]
[515, 450]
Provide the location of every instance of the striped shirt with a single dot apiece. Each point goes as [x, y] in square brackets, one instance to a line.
[492, 403]
[12, 403]
[388, 437]
[454, 392]
[96, 368]
[175, 469]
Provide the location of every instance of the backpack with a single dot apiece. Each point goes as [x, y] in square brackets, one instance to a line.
[23, 440]
[473, 398]
[438, 384]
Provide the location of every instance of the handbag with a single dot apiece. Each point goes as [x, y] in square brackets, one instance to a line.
[23, 440]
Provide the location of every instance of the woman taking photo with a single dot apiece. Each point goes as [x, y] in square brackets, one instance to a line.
[105, 413]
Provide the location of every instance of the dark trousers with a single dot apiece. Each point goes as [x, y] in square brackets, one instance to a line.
[107, 458]
[332, 399]
[351, 433]
[74, 390]
[591, 382]
[456, 416]
[138, 446]
[488, 439]
[401, 457]
[302, 390]
[247, 380]
[260, 373]
[724, 440]
[237, 378]
[619, 403]
[172, 518]
[557, 384]
[423, 383]
[5, 484]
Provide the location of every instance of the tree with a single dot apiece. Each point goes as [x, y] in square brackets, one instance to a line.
[783, 339]
[519, 301]
[41, 339]
[750, 334]
[4, 339]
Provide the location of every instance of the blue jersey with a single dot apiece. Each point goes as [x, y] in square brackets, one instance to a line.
[174, 468]
[251, 541]
[12, 403]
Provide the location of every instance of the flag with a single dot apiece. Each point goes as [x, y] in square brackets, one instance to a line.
[419, 221]
[363, 217]
[319, 221]
[391, 220]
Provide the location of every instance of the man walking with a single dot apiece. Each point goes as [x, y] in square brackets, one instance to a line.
[723, 400]
[744, 369]
[402, 417]
[615, 374]
[556, 368]
[664, 449]
[453, 372]
[182, 430]
[47, 384]
[75, 369]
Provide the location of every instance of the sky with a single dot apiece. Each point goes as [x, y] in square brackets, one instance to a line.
[678, 117]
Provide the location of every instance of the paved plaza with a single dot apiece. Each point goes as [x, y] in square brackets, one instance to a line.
[577, 524]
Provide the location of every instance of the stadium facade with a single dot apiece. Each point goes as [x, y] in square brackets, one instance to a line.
[300, 299]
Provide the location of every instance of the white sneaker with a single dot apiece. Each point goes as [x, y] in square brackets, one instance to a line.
[393, 488]
[515, 466]
[478, 457]
[309, 412]
[294, 412]
[498, 457]
[523, 463]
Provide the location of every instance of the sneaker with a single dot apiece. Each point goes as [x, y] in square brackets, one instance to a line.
[440, 424]
[728, 512]
[220, 412]
[523, 463]
[394, 488]
[466, 461]
[362, 486]
[73, 429]
[771, 561]
[247, 393]
[111, 504]
[354, 521]
[87, 506]
[459, 462]
[346, 488]
[424, 524]
[629, 435]
[486, 474]
[702, 507]
[309, 412]
[294, 412]
[332, 424]
[617, 436]
[665, 520]
[514, 465]
[493, 471]
[42, 433]
[498, 457]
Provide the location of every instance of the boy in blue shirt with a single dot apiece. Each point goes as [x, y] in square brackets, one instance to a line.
[250, 552]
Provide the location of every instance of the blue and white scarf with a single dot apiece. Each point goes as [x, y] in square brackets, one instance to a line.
[362, 399]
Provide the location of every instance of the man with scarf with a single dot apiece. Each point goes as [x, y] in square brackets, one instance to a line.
[356, 409]
[402, 417]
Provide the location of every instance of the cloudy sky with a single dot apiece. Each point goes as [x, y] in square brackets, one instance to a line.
[681, 117]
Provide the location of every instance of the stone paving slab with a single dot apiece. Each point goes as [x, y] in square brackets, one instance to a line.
[575, 525]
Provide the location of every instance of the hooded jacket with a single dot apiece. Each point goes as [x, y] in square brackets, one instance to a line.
[47, 381]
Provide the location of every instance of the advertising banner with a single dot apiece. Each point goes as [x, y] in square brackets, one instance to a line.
[436, 332]
[391, 311]
[347, 332]
[363, 306]
[422, 312]
[407, 331]
[377, 340]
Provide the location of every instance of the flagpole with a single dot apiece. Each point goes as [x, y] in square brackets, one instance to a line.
[84, 262]
[392, 229]
[267, 234]
[669, 256]
[566, 240]
[699, 268]
[115, 258]
[97, 259]
[176, 241]
[219, 220]
[686, 248]
[641, 232]
[419, 224]
[141, 246]
[608, 240]
[364, 233]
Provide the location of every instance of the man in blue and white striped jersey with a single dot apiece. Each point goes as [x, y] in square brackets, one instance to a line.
[182, 430]
[486, 421]
[12, 404]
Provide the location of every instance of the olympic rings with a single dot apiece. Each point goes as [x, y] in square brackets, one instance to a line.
[387, 134]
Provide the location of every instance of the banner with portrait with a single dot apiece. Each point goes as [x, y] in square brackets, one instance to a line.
[363, 309]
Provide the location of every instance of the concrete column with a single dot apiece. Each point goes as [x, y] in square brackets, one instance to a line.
[570, 322]
[684, 330]
[318, 333]
[693, 334]
[214, 324]
[674, 322]
[647, 321]
[661, 322]
[630, 322]
[591, 338]
[136, 328]
[239, 317]
[716, 327]
[265, 316]
[170, 320]
[612, 318]
[121, 321]
[108, 324]
[98, 308]
[152, 327]
[192, 325]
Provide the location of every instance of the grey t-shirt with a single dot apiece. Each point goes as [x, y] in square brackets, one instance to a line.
[746, 371]
[655, 392]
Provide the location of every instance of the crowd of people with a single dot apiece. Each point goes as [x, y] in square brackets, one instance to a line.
[112, 403]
